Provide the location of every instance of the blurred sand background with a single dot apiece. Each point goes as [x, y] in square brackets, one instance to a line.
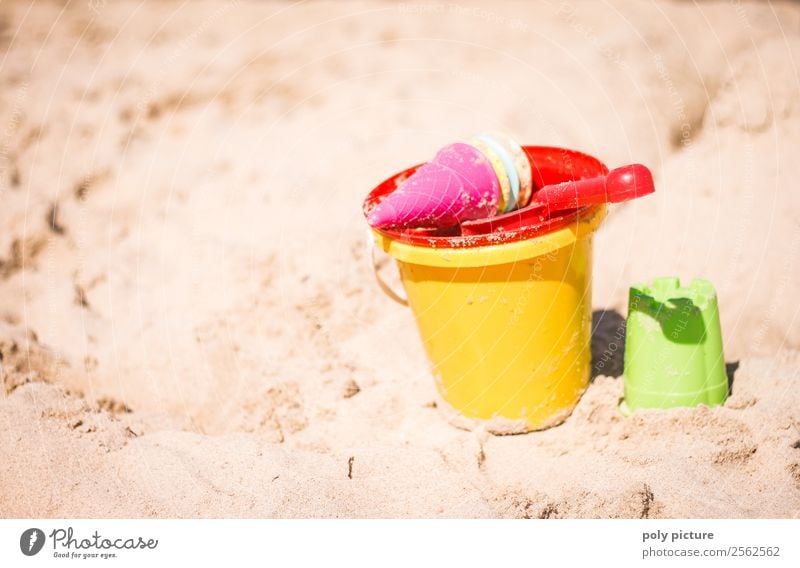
[188, 326]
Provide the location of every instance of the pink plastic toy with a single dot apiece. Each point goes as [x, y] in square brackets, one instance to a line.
[457, 185]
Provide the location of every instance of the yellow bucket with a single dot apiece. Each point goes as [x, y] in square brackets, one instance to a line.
[507, 326]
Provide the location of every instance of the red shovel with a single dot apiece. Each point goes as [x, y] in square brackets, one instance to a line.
[621, 184]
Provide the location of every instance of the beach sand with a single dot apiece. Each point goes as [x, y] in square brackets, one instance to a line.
[188, 324]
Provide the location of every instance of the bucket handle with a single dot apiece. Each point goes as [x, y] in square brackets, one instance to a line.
[399, 297]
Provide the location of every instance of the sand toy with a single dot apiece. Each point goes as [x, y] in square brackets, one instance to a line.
[504, 315]
[673, 346]
[487, 176]
[621, 184]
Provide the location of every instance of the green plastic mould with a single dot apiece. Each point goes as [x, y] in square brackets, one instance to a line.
[673, 346]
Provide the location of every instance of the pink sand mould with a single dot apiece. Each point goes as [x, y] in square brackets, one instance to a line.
[459, 184]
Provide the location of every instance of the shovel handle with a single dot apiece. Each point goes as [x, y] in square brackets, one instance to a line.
[621, 184]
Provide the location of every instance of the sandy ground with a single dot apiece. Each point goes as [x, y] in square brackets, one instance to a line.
[187, 323]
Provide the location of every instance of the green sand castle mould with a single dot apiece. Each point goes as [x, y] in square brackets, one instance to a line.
[673, 346]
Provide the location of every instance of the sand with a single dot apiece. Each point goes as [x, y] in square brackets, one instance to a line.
[188, 326]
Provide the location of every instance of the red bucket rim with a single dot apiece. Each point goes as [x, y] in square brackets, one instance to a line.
[549, 164]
